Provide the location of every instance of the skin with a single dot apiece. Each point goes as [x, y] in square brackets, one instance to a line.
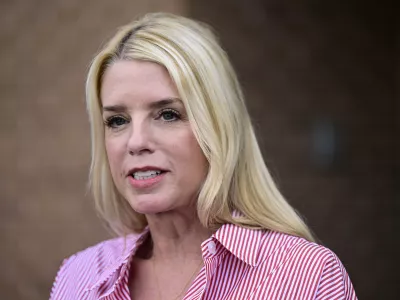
[147, 125]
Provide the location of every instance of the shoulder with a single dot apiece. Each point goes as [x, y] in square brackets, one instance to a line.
[80, 270]
[95, 257]
[300, 262]
[294, 249]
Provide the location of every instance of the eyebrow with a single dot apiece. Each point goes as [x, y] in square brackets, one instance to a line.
[115, 108]
[153, 105]
[164, 102]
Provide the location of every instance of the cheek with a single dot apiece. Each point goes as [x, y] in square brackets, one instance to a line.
[114, 153]
[194, 157]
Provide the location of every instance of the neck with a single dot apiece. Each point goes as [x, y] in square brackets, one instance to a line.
[177, 236]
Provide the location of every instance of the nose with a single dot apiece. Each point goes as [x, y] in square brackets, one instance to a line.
[139, 141]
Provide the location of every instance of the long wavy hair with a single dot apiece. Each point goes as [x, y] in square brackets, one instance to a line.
[238, 188]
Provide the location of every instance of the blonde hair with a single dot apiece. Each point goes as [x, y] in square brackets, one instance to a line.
[238, 188]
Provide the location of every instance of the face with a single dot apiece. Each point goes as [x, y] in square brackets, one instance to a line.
[155, 160]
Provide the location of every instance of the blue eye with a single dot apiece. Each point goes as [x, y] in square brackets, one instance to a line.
[115, 121]
[169, 115]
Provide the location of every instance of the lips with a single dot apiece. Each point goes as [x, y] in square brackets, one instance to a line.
[145, 171]
[145, 177]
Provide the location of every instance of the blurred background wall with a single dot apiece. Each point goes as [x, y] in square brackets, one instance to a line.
[319, 77]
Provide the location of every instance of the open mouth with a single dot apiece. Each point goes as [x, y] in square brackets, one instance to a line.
[145, 175]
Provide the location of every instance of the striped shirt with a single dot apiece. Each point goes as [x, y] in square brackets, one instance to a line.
[239, 263]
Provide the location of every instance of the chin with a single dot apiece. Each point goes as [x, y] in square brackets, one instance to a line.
[148, 204]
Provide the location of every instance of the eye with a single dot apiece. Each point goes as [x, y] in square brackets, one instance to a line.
[115, 121]
[169, 115]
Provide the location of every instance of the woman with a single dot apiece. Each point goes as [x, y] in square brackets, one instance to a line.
[177, 173]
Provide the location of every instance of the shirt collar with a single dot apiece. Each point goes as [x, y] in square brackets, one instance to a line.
[244, 243]
[118, 268]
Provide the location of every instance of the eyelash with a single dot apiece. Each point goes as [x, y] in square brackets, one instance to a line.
[176, 114]
[110, 121]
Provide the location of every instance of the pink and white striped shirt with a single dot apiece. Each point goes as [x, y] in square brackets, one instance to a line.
[239, 263]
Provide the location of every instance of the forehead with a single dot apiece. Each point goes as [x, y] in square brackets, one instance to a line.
[136, 81]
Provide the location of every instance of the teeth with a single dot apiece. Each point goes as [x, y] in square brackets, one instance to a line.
[140, 175]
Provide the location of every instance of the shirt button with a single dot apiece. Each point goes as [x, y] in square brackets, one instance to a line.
[211, 247]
